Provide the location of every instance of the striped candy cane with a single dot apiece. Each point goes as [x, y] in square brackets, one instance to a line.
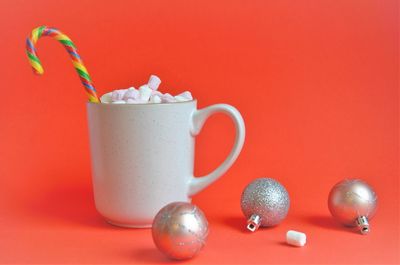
[71, 49]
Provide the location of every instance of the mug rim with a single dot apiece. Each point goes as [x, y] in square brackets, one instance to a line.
[143, 104]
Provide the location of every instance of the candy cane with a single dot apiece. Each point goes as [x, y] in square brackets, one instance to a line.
[71, 49]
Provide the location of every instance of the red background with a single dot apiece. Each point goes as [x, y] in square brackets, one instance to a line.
[317, 83]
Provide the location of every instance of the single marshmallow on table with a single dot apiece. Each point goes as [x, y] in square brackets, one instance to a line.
[295, 238]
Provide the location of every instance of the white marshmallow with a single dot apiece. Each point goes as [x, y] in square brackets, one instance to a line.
[155, 99]
[145, 93]
[135, 101]
[106, 98]
[131, 93]
[118, 102]
[154, 82]
[180, 99]
[187, 95]
[118, 94]
[295, 238]
[156, 92]
[168, 98]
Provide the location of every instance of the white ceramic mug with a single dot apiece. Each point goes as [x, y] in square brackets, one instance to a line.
[143, 155]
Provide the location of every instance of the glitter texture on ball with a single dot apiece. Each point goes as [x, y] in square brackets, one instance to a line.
[264, 202]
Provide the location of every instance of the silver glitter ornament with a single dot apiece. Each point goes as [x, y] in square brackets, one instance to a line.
[353, 202]
[264, 202]
[180, 230]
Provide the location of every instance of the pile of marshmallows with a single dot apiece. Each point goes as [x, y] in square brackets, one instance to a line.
[147, 93]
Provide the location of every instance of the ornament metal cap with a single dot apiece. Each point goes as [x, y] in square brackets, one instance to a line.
[363, 225]
[254, 222]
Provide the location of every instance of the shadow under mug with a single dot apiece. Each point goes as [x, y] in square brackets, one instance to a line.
[143, 154]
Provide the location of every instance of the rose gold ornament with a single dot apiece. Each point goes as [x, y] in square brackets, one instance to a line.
[353, 203]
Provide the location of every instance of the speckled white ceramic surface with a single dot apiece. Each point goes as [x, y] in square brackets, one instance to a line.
[142, 157]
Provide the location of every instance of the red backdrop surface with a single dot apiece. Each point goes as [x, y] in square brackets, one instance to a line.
[317, 83]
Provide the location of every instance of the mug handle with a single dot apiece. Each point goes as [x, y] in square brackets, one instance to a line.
[199, 117]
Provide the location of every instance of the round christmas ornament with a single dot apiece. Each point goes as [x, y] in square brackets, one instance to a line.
[353, 202]
[264, 202]
[180, 230]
